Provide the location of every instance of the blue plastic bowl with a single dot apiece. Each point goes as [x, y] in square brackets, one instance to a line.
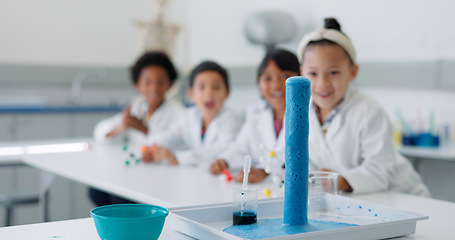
[129, 221]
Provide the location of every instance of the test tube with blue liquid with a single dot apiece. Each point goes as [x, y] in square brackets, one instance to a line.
[245, 199]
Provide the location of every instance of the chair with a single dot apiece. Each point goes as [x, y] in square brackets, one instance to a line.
[17, 197]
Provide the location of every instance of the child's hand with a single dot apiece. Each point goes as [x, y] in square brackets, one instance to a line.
[164, 153]
[343, 185]
[147, 153]
[147, 156]
[123, 125]
[256, 175]
[218, 166]
[129, 121]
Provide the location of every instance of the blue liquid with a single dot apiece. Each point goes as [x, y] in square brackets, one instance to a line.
[248, 217]
[298, 94]
[267, 228]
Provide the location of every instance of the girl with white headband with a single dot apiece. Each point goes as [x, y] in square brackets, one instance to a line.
[349, 132]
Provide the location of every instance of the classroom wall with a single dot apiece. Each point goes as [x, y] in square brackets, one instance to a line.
[102, 32]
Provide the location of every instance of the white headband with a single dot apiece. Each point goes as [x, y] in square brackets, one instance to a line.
[328, 34]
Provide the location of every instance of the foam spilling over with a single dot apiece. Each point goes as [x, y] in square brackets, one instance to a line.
[267, 228]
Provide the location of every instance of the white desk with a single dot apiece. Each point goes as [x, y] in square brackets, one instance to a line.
[78, 229]
[103, 167]
[439, 226]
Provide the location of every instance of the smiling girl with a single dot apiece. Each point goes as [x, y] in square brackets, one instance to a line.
[263, 127]
[349, 132]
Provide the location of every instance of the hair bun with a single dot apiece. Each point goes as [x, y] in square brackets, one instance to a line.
[332, 23]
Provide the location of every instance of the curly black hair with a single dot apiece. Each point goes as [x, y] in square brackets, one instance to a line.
[153, 59]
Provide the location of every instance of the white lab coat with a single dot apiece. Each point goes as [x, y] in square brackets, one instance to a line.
[358, 145]
[162, 118]
[184, 139]
[258, 129]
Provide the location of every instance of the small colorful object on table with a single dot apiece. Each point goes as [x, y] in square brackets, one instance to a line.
[131, 158]
[267, 192]
[271, 161]
[272, 154]
[227, 175]
[144, 149]
[270, 157]
[147, 153]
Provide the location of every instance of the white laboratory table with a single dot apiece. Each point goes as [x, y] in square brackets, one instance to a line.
[76, 229]
[103, 167]
[438, 226]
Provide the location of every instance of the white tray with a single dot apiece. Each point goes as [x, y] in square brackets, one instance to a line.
[374, 221]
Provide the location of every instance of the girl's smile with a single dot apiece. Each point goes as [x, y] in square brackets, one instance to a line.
[278, 94]
[324, 94]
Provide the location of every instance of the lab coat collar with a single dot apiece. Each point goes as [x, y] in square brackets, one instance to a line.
[157, 115]
[348, 97]
[263, 104]
[337, 121]
[214, 127]
[318, 140]
[212, 130]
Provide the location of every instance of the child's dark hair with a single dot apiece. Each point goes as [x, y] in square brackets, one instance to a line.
[209, 66]
[285, 60]
[330, 23]
[153, 59]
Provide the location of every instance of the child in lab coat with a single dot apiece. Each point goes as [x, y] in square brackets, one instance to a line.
[263, 130]
[349, 132]
[203, 130]
[153, 74]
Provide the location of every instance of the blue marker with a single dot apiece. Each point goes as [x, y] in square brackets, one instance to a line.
[298, 94]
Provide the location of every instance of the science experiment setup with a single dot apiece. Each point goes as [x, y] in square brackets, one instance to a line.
[336, 217]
